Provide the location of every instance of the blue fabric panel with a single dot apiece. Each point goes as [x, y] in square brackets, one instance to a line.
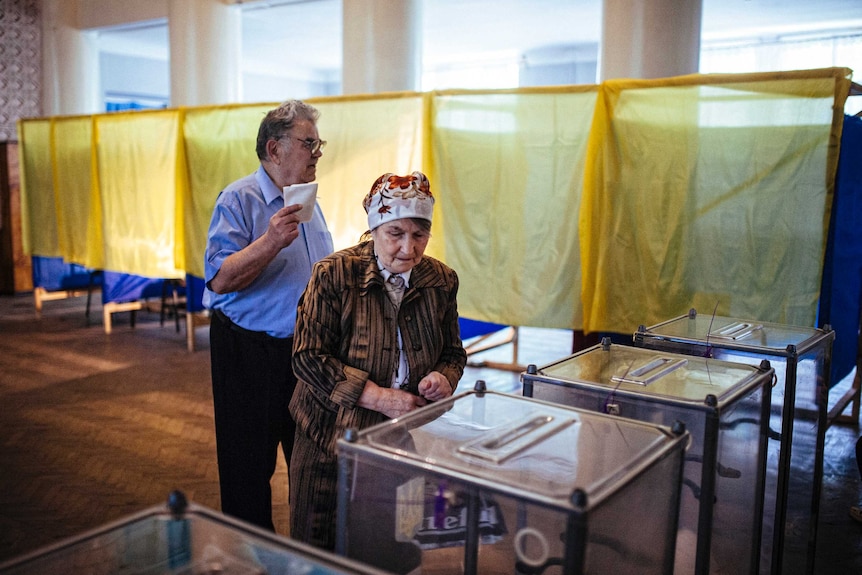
[841, 290]
[121, 288]
[194, 293]
[118, 106]
[54, 274]
[472, 327]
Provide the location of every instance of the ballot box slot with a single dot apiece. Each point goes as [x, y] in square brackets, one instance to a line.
[650, 371]
[500, 444]
[735, 331]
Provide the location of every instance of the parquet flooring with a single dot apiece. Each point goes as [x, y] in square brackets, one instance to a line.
[95, 427]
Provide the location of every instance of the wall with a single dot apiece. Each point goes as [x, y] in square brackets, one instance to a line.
[104, 13]
[15, 270]
[20, 64]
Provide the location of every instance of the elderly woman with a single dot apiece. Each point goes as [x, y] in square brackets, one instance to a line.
[376, 337]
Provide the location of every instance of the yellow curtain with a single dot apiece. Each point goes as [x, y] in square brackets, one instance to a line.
[582, 207]
[73, 155]
[219, 148]
[38, 217]
[710, 192]
[137, 155]
[509, 170]
[367, 137]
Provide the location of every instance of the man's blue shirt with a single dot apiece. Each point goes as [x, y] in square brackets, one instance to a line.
[241, 215]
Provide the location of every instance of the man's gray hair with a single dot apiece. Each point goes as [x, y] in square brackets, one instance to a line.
[280, 121]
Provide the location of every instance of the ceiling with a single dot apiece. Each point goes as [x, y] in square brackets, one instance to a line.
[307, 33]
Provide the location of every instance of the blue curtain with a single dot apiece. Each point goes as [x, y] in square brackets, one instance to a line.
[119, 287]
[841, 290]
[54, 274]
[472, 327]
[119, 106]
[195, 293]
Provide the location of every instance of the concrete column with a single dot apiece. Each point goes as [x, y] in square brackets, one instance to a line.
[70, 63]
[650, 38]
[205, 51]
[382, 46]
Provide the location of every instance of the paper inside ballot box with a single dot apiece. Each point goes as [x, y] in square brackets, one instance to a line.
[433, 515]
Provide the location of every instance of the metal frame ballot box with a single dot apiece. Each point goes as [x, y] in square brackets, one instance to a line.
[493, 483]
[802, 359]
[724, 407]
[181, 538]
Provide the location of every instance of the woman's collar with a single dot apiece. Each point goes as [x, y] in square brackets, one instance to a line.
[386, 273]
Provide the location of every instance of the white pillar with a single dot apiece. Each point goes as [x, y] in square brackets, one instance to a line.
[205, 45]
[382, 46]
[70, 63]
[650, 38]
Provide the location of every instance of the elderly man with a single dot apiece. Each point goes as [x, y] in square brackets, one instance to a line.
[259, 257]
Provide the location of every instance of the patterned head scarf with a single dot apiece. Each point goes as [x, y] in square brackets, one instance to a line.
[395, 197]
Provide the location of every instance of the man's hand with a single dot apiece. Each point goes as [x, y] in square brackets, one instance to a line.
[284, 226]
[241, 268]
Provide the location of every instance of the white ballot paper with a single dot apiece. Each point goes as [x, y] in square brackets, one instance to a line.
[305, 194]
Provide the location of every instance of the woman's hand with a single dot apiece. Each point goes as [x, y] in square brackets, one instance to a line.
[390, 402]
[435, 386]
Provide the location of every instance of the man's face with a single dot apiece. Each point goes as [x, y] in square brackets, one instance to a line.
[291, 158]
[400, 244]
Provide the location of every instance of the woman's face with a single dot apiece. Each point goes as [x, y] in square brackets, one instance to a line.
[400, 244]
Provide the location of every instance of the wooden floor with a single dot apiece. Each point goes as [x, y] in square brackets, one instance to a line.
[95, 427]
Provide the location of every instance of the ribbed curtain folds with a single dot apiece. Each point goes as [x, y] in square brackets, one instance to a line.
[596, 208]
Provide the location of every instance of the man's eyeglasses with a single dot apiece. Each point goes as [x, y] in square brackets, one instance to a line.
[312, 145]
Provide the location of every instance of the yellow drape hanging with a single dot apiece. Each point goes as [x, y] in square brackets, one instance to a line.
[509, 166]
[74, 194]
[367, 137]
[38, 215]
[137, 155]
[219, 148]
[709, 190]
[583, 207]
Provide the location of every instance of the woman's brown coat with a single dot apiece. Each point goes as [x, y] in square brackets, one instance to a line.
[346, 334]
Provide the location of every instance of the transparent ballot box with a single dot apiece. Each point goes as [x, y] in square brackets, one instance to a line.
[724, 407]
[802, 359]
[181, 539]
[492, 483]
